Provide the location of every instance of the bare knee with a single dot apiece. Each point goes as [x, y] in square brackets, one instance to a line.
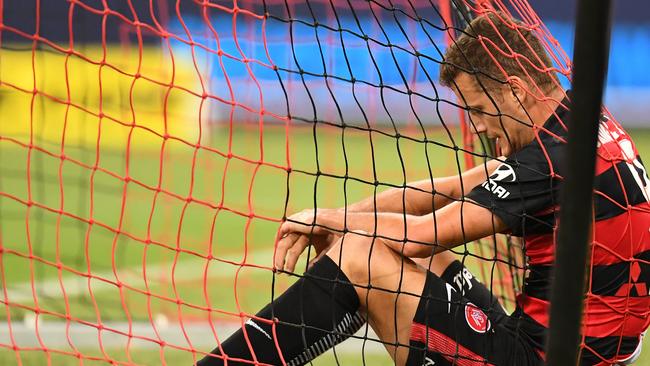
[360, 255]
[388, 285]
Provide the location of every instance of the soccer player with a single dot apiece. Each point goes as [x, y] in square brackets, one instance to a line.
[435, 312]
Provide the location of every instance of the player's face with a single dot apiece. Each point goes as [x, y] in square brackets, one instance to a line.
[499, 115]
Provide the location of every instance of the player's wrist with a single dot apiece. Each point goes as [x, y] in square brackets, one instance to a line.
[331, 219]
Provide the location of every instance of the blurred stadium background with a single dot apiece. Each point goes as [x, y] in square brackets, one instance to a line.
[141, 187]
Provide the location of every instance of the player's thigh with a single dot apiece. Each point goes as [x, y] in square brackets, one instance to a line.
[447, 329]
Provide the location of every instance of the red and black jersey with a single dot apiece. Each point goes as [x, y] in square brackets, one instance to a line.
[524, 193]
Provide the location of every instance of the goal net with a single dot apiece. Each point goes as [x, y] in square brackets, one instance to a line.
[150, 150]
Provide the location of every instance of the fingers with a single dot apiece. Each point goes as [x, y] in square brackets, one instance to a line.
[290, 227]
[294, 252]
[294, 236]
[303, 222]
[284, 244]
[289, 248]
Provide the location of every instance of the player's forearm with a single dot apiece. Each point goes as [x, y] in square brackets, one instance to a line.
[425, 196]
[418, 198]
[403, 233]
[418, 236]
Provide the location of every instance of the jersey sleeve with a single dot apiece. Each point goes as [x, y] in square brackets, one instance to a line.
[521, 192]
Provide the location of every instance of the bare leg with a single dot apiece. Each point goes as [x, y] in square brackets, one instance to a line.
[437, 263]
[395, 283]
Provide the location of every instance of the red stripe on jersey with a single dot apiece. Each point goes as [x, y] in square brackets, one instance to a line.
[619, 238]
[603, 316]
[540, 249]
[616, 239]
[445, 346]
[616, 316]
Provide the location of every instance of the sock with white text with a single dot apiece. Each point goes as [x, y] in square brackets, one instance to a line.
[317, 312]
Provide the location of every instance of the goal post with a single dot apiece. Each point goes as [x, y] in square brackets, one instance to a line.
[150, 150]
[589, 70]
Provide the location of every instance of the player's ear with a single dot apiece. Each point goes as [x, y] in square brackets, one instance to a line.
[517, 90]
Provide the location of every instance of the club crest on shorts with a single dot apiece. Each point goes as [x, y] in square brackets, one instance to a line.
[476, 318]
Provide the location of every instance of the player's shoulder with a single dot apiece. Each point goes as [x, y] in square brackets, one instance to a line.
[546, 150]
[543, 156]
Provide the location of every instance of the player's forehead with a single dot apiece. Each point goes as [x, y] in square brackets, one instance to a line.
[470, 92]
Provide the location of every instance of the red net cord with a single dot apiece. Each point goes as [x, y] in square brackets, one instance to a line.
[149, 151]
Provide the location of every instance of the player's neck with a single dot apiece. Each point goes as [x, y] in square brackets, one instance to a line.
[544, 109]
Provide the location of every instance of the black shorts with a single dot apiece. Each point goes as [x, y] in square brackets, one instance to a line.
[459, 322]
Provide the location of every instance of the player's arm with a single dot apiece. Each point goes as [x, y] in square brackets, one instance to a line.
[412, 236]
[424, 196]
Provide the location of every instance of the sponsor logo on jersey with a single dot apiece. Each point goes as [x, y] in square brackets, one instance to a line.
[504, 173]
[476, 318]
[636, 287]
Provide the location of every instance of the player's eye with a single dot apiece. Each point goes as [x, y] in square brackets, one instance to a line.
[476, 111]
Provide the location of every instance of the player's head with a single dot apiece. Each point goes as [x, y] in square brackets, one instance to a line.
[499, 69]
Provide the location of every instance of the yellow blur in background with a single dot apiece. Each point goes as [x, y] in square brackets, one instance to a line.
[60, 97]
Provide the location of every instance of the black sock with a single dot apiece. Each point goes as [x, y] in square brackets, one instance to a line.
[314, 314]
[470, 288]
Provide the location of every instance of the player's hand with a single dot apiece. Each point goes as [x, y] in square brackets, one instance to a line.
[303, 222]
[296, 233]
[291, 246]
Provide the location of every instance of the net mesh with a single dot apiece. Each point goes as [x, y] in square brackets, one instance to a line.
[149, 151]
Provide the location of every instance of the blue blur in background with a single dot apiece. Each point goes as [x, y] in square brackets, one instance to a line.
[347, 56]
[344, 55]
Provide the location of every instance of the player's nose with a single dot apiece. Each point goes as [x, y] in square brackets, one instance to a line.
[479, 127]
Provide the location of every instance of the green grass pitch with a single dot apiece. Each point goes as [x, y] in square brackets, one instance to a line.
[232, 216]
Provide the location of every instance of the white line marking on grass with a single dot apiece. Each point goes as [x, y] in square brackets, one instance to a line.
[55, 336]
[186, 270]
